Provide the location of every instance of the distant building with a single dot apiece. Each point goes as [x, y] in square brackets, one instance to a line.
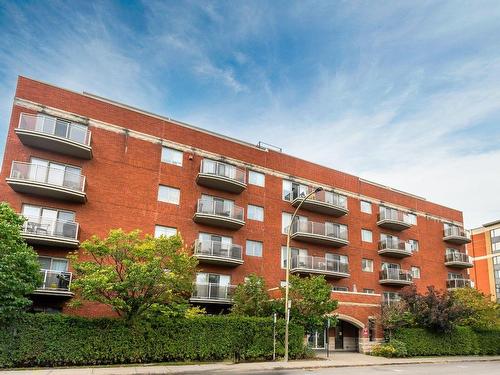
[486, 271]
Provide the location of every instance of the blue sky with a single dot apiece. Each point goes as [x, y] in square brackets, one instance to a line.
[404, 93]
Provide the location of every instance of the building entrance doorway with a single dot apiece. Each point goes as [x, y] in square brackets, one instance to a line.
[344, 336]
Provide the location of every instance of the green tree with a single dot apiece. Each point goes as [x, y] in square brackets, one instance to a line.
[135, 275]
[395, 316]
[484, 313]
[19, 266]
[311, 302]
[435, 310]
[251, 298]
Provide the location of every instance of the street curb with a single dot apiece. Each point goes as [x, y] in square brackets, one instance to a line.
[235, 367]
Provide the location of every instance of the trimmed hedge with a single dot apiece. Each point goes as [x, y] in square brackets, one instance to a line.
[59, 340]
[461, 341]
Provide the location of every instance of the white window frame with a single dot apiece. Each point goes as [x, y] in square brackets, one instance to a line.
[256, 178]
[297, 251]
[176, 160]
[367, 261]
[366, 204]
[162, 230]
[252, 210]
[169, 190]
[366, 232]
[286, 222]
[415, 272]
[250, 249]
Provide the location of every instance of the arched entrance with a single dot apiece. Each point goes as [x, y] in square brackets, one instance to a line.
[346, 334]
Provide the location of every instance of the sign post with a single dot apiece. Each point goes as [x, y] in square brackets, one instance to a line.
[274, 336]
[327, 333]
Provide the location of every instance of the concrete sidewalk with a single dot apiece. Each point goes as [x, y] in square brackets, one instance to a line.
[336, 360]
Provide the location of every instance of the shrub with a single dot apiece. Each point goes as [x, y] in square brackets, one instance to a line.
[460, 341]
[58, 340]
[393, 348]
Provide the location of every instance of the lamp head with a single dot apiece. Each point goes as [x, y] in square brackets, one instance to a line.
[318, 189]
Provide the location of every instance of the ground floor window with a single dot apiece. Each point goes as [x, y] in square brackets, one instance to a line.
[317, 340]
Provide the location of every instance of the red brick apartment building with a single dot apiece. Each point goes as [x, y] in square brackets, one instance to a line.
[77, 165]
[486, 272]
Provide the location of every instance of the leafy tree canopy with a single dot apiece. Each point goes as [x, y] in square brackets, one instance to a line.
[135, 275]
[251, 298]
[435, 310]
[311, 302]
[19, 266]
[484, 313]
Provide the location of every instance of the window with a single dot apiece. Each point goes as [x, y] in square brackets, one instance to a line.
[254, 248]
[316, 340]
[256, 178]
[53, 264]
[171, 156]
[390, 297]
[337, 258]
[369, 291]
[413, 245]
[337, 230]
[415, 272]
[164, 231]
[366, 207]
[169, 194]
[49, 221]
[495, 246]
[56, 174]
[366, 235]
[293, 252]
[255, 213]
[203, 278]
[390, 266]
[286, 220]
[411, 218]
[367, 265]
[292, 190]
[336, 288]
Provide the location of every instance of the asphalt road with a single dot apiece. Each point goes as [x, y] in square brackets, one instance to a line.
[475, 368]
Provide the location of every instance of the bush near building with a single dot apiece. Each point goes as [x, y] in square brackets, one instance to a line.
[463, 322]
[58, 340]
[460, 341]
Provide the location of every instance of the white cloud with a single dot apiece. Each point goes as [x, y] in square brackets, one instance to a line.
[395, 93]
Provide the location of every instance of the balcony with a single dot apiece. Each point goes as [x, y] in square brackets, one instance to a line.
[393, 219]
[395, 277]
[51, 232]
[394, 248]
[216, 252]
[457, 259]
[319, 233]
[53, 134]
[221, 176]
[458, 283]
[212, 293]
[55, 283]
[456, 235]
[323, 202]
[319, 265]
[217, 214]
[47, 181]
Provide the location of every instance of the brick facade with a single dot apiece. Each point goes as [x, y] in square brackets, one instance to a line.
[123, 176]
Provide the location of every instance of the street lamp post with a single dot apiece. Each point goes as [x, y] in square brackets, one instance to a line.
[287, 286]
